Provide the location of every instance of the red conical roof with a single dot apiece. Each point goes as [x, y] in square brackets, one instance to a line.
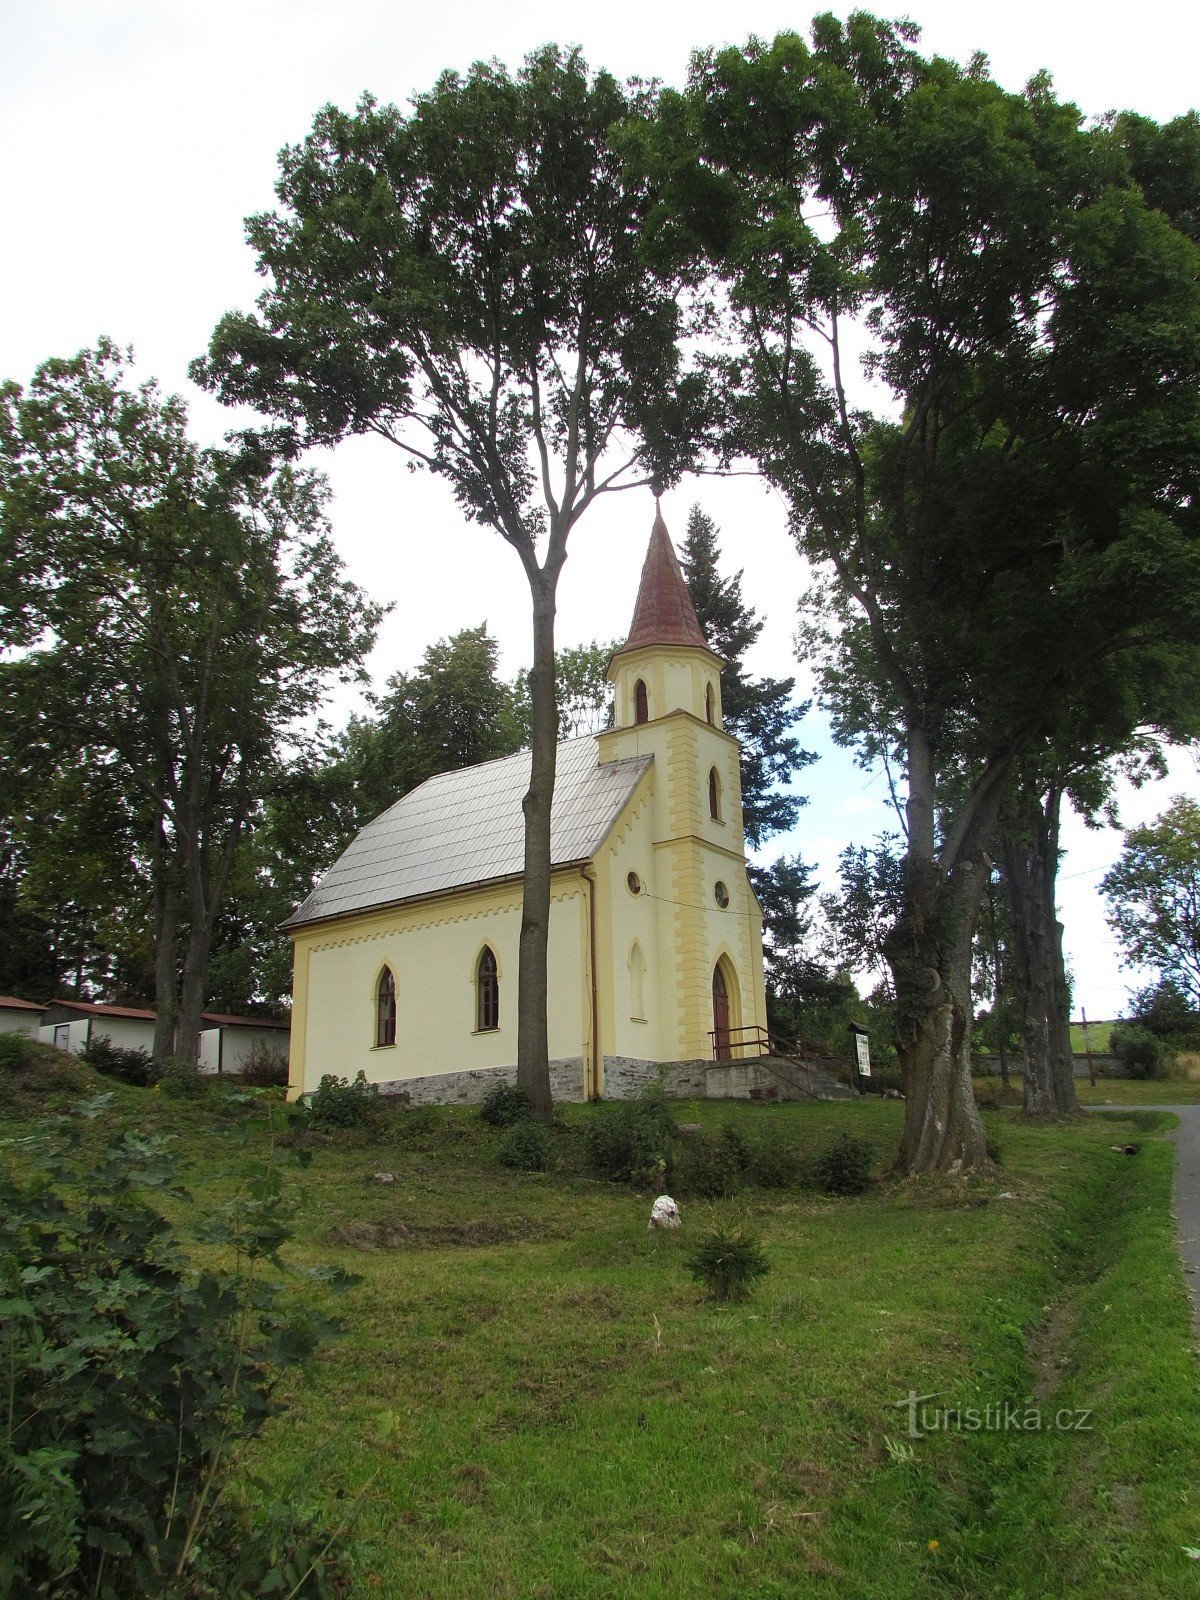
[664, 613]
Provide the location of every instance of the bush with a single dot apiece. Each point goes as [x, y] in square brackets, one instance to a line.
[526, 1147]
[133, 1380]
[843, 1167]
[505, 1104]
[337, 1103]
[182, 1080]
[710, 1168]
[773, 1164]
[1137, 1049]
[264, 1068]
[884, 1080]
[16, 1052]
[629, 1141]
[136, 1067]
[727, 1262]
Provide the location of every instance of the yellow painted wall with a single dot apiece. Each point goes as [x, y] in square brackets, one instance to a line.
[433, 947]
[691, 852]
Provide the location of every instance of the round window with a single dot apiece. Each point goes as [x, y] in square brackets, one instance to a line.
[634, 882]
[720, 894]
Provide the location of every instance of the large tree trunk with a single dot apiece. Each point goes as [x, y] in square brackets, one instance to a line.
[533, 1050]
[166, 914]
[930, 955]
[206, 867]
[1030, 853]
[929, 952]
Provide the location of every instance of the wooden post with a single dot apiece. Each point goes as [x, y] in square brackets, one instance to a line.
[1087, 1045]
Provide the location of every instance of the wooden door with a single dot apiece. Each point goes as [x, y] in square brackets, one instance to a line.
[721, 1048]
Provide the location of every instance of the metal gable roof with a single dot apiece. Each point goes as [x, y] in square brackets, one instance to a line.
[464, 828]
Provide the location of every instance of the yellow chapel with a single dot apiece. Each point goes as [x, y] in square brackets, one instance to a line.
[405, 952]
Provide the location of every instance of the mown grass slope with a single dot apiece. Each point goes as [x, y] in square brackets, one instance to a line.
[532, 1399]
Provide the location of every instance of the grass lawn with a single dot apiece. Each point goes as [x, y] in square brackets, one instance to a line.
[1107, 1092]
[531, 1399]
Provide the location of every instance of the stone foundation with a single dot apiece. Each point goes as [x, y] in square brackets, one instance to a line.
[626, 1076]
[469, 1088]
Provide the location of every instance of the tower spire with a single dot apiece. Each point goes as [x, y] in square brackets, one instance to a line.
[664, 613]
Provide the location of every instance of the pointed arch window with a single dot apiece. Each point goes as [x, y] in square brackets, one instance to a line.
[714, 794]
[641, 705]
[487, 992]
[709, 706]
[385, 1008]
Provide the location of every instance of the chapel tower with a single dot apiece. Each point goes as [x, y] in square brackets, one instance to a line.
[667, 704]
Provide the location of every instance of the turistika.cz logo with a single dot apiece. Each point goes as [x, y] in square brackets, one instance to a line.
[996, 1416]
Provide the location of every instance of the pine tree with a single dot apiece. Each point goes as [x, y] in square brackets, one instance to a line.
[759, 712]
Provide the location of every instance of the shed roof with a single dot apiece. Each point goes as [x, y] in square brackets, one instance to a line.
[466, 828]
[94, 1008]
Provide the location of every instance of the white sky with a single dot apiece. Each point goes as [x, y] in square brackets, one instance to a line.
[137, 134]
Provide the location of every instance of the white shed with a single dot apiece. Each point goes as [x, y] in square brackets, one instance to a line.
[19, 1016]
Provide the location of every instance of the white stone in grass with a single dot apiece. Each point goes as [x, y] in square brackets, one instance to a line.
[664, 1214]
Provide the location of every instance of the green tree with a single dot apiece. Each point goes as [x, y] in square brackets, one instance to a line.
[808, 998]
[1154, 896]
[1020, 504]
[759, 712]
[585, 696]
[862, 912]
[466, 282]
[178, 610]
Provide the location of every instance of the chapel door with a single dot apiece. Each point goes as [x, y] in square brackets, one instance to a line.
[721, 1049]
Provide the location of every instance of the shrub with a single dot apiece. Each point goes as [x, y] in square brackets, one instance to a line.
[884, 1079]
[34, 1076]
[505, 1104]
[16, 1052]
[133, 1381]
[727, 1262]
[709, 1168]
[1138, 1050]
[182, 1079]
[264, 1068]
[629, 1141]
[337, 1103]
[135, 1067]
[773, 1164]
[843, 1167]
[526, 1147]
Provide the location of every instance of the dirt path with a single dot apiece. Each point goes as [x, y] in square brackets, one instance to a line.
[1187, 1194]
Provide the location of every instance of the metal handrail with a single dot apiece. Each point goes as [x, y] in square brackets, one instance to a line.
[771, 1048]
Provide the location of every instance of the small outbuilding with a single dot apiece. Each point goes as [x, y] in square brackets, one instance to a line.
[19, 1016]
[226, 1043]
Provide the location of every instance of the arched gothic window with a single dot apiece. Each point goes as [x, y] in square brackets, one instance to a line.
[487, 992]
[708, 703]
[641, 706]
[714, 795]
[385, 1008]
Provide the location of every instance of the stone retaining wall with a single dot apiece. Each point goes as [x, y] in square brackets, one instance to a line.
[469, 1088]
[1106, 1066]
[626, 1076]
